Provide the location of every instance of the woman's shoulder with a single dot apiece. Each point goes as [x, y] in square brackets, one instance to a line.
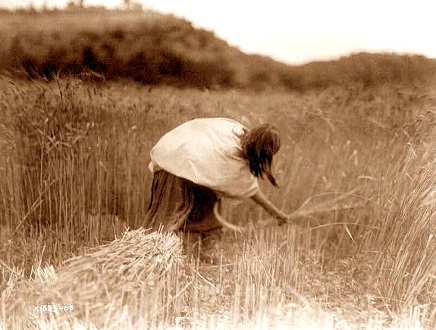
[220, 126]
[215, 121]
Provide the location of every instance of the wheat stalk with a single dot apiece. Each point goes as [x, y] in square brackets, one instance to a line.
[340, 203]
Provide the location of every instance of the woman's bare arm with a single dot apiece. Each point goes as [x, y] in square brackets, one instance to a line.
[263, 201]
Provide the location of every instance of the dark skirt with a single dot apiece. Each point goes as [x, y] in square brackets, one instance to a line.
[177, 203]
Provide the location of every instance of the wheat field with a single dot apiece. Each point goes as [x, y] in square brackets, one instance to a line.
[74, 175]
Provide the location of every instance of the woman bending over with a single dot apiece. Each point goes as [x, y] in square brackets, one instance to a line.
[199, 162]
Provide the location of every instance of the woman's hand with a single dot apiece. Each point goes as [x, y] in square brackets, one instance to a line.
[282, 218]
[263, 201]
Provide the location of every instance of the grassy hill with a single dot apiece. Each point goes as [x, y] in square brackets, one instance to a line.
[153, 48]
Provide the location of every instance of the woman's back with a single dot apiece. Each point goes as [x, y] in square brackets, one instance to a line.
[207, 151]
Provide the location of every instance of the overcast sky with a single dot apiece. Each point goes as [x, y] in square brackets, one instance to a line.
[300, 31]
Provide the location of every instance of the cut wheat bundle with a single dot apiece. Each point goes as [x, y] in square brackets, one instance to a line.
[133, 274]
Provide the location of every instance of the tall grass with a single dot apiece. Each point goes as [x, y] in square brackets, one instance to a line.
[74, 172]
[406, 239]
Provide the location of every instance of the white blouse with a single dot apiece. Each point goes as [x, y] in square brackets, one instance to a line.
[207, 151]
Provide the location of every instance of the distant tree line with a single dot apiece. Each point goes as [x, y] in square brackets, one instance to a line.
[171, 51]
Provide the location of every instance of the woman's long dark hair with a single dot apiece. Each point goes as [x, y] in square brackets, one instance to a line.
[259, 145]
